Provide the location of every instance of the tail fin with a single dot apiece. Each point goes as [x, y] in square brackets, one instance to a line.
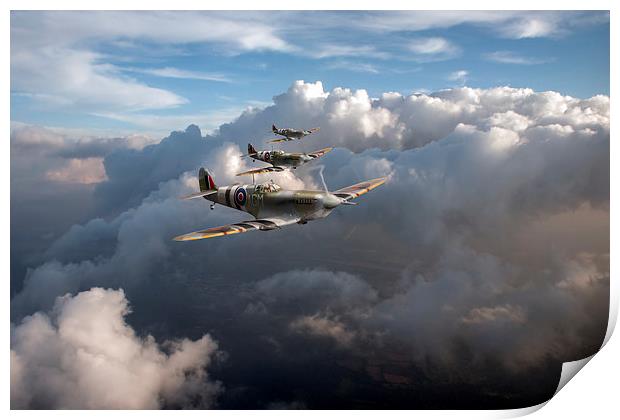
[206, 180]
[251, 149]
[274, 128]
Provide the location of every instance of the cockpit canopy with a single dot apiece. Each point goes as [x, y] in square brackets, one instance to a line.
[268, 187]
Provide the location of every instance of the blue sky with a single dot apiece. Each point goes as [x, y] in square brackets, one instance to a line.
[153, 72]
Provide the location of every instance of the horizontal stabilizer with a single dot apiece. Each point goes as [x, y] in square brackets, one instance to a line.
[198, 194]
[264, 170]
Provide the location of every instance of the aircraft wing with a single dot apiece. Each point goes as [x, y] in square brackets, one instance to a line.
[241, 227]
[320, 153]
[280, 140]
[358, 189]
[264, 170]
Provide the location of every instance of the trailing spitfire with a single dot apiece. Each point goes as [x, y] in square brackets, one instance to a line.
[272, 206]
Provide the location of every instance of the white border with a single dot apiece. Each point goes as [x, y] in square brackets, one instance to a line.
[593, 394]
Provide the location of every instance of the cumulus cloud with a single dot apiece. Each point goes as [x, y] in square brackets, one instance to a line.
[83, 355]
[491, 232]
[82, 171]
[324, 327]
[459, 76]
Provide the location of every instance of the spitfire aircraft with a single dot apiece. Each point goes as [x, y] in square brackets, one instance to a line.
[272, 206]
[290, 134]
[281, 160]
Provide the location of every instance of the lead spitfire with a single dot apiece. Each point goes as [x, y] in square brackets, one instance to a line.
[281, 160]
[271, 206]
[290, 134]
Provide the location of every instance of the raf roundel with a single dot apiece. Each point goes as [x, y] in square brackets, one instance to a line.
[240, 197]
[267, 156]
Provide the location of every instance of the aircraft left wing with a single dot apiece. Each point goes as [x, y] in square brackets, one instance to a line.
[358, 189]
[264, 170]
[241, 227]
[280, 140]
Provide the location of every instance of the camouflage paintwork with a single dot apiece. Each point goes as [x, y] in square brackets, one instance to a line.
[281, 160]
[272, 206]
[290, 134]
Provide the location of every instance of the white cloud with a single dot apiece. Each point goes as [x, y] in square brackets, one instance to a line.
[81, 171]
[323, 326]
[83, 355]
[341, 50]
[49, 60]
[459, 76]
[510, 57]
[430, 45]
[79, 78]
[433, 48]
[354, 66]
[175, 73]
[509, 24]
[484, 174]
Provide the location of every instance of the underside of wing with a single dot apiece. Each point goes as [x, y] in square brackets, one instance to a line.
[358, 189]
[279, 140]
[320, 153]
[262, 170]
[241, 227]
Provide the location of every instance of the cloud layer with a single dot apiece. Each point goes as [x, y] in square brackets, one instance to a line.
[481, 265]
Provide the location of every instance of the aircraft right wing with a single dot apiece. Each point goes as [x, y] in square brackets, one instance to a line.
[360, 188]
[264, 170]
[241, 227]
[321, 152]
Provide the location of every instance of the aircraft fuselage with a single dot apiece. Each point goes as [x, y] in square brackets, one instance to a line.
[261, 202]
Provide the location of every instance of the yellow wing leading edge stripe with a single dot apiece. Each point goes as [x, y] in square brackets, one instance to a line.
[360, 188]
[241, 227]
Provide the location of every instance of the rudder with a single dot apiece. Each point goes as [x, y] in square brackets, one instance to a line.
[206, 180]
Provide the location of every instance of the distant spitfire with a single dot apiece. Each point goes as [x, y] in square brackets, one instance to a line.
[272, 206]
[290, 134]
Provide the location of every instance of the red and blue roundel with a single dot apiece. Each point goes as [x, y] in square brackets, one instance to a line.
[240, 197]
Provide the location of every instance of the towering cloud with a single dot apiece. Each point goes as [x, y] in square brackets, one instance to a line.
[481, 264]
